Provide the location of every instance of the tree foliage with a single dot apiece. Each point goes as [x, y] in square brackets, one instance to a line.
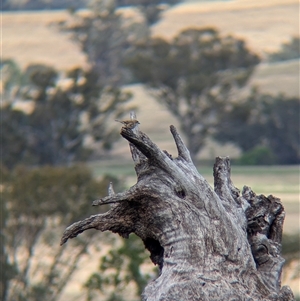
[288, 51]
[194, 76]
[259, 155]
[106, 37]
[35, 204]
[291, 247]
[118, 269]
[149, 8]
[43, 4]
[265, 121]
[65, 113]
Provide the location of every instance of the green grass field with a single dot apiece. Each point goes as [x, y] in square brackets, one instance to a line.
[262, 179]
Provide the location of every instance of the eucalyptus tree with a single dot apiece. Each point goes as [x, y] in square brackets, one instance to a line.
[35, 204]
[66, 111]
[195, 76]
[107, 38]
[263, 121]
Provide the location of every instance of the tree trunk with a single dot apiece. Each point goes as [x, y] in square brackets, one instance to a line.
[210, 244]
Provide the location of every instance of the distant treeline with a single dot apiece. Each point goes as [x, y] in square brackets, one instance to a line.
[12, 5]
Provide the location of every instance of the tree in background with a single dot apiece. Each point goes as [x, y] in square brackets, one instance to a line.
[7, 269]
[65, 113]
[35, 204]
[13, 80]
[150, 9]
[288, 51]
[290, 252]
[43, 4]
[264, 122]
[118, 269]
[106, 37]
[195, 76]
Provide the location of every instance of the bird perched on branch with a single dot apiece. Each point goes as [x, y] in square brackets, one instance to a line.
[131, 124]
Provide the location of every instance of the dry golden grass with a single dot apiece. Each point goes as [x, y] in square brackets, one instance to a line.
[27, 37]
[265, 24]
[281, 77]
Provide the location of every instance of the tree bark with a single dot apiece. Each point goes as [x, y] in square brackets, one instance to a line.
[210, 244]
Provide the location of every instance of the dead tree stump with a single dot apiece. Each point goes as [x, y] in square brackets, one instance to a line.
[210, 244]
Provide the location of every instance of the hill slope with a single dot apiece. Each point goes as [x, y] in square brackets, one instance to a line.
[265, 24]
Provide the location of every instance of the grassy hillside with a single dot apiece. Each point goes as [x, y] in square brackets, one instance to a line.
[27, 37]
[279, 77]
[264, 23]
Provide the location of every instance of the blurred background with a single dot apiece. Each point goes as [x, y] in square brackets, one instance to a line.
[225, 73]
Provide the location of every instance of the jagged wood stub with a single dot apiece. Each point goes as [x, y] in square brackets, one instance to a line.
[210, 244]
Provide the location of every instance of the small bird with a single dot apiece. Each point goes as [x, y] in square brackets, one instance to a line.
[131, 124]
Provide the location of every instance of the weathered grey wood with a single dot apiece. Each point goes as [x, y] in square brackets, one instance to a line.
[210, 244]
